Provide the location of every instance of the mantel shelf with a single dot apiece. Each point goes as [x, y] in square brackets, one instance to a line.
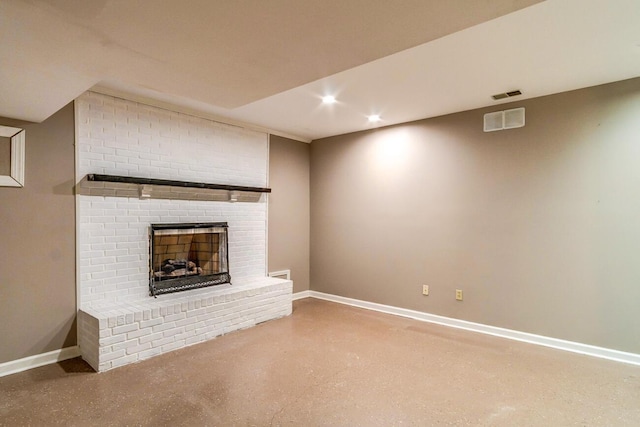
[151, 188]
[171, 183]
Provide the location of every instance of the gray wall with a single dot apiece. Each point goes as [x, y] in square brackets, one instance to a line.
[289, 209]
[539, 226]
[37, 263]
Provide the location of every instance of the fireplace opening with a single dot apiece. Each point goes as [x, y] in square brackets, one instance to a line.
[187, 256]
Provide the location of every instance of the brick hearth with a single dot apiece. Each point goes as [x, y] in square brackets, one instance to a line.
[113, 336]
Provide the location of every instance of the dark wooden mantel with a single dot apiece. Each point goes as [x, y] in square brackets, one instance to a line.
[171, 183]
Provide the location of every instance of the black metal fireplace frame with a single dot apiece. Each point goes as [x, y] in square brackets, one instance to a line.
[189, 282]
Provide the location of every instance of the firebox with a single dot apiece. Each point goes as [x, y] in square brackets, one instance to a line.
[187, 256]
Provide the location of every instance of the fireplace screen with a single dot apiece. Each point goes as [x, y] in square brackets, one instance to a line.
[187, 256]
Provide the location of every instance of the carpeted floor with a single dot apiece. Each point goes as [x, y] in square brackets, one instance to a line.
[334, 365]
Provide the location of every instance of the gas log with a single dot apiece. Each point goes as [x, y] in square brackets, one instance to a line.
[178, 267]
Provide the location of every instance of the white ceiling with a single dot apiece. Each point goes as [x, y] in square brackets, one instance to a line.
[267, 63]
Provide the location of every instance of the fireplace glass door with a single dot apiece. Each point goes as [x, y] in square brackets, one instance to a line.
[188, 256]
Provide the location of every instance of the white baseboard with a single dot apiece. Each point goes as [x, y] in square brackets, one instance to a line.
[15, 366]
[300, 295]
[574, 347]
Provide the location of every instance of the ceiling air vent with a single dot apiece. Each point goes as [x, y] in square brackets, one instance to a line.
[506, 94]
[507, 119]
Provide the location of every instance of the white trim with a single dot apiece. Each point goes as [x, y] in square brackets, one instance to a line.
[16, 177]
[267, 201]
[574, 347]
[76, 155]
[15, 366]
[300, 295]
[286, 273]
[141, 99]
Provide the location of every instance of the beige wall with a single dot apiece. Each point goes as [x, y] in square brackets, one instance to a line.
[37, 264]
[539, 226]
[289, 209]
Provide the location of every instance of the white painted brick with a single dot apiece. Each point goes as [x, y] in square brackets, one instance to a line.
[124, 345]
[139, 333]
[150, 338]
[103, 260]
[151, 322]
[184, 335]
[111, 322]
[125, 328]
[112, 340]
[102, 275]
[138, 348]
[236, 150]
[197, 312]
[105, 366]
[121, 255]
[125, 272]
[95, 148]
[110, 356]
[172, 332]
[162, 341]
[124, 360]
[120, 320]
[213, 321]
[164, 326]
[93, 268]
[175, 317]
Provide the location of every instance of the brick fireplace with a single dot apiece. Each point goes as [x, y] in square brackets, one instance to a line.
[119, 322]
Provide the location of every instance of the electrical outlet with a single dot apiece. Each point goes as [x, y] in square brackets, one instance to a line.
[459, 294]
[425, 289]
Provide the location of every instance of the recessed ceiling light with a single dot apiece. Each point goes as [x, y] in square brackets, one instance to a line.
[328, 99]
[374, 118]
